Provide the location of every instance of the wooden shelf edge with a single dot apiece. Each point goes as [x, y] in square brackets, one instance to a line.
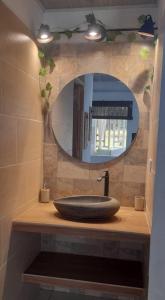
[70, 283]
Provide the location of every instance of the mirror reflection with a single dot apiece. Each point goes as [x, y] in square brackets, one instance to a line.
[95, 118]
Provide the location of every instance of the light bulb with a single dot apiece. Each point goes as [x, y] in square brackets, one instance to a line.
[44, 34]
[93, 33]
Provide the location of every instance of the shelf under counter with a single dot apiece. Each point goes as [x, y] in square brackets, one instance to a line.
[118, 277]
[127, 224]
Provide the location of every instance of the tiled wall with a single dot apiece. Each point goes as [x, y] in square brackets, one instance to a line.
[20, 151]
[154, 121]
[127, 174]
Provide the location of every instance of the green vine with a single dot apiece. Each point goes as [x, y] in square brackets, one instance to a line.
[150, 79]
[111, 36]
[47, 67]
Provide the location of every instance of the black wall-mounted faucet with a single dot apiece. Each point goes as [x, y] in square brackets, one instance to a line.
[106, 182]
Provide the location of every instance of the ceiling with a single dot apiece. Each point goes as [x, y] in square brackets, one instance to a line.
[62, 4]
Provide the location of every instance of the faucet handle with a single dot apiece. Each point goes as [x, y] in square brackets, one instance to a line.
[106, 172]
[100, 178]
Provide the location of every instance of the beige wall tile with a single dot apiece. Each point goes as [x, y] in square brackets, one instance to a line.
[115, 190]
[17, 48]
[64, 187]
[17, 93]
[10, 190]
[20, 151]
[50, 155]
[8, 134]
[66, 68]
[20, 184]
[33, 183]
[134, 174]
[87, 187]
[142, 139]
[130, 190]
[29, 140]
[93, 63]
[136, 157]
[70, 170]
[50, 174]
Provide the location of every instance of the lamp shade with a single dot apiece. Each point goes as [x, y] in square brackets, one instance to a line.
[95, 32]
[147, 29]
[44, 34]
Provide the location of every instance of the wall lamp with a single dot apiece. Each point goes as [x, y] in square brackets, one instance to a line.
[147, 29]
[96, 30]
[44, 35]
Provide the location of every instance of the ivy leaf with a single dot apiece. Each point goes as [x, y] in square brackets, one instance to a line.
[151, 74]
[51, 64]
[144, 53]
[49, 86]
[68, 33]
[141, 19]
[41, 54]
[131, 37]
[112, 35]
[147, 88]
[57, 36]
[42, 72]
[43, 93]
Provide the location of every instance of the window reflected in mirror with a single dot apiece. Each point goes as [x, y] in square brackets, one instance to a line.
[95, 118]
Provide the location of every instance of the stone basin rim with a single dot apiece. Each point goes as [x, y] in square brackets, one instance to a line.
[85, 200]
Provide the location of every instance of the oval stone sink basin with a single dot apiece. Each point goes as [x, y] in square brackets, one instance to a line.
[87, 207]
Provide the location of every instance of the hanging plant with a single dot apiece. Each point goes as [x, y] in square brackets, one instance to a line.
[112, 35]
[150, 79]
[47, 67]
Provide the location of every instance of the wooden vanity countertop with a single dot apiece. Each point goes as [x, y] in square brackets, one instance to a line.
[127, 224]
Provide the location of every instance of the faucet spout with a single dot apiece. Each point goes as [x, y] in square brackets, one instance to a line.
[106, 182]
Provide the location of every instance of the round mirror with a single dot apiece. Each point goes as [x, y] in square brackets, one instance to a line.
[95, 118]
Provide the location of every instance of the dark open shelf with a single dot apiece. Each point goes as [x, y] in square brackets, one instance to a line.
[79, 271]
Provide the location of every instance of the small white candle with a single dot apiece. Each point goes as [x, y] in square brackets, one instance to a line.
[139, 202]
[44, 195]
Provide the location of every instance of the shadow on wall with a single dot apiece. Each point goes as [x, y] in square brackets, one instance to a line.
[17, 264]
[140, 82]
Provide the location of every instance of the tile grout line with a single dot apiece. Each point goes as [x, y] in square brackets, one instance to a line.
[20, 118]
[19, 69]
[20, 163]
